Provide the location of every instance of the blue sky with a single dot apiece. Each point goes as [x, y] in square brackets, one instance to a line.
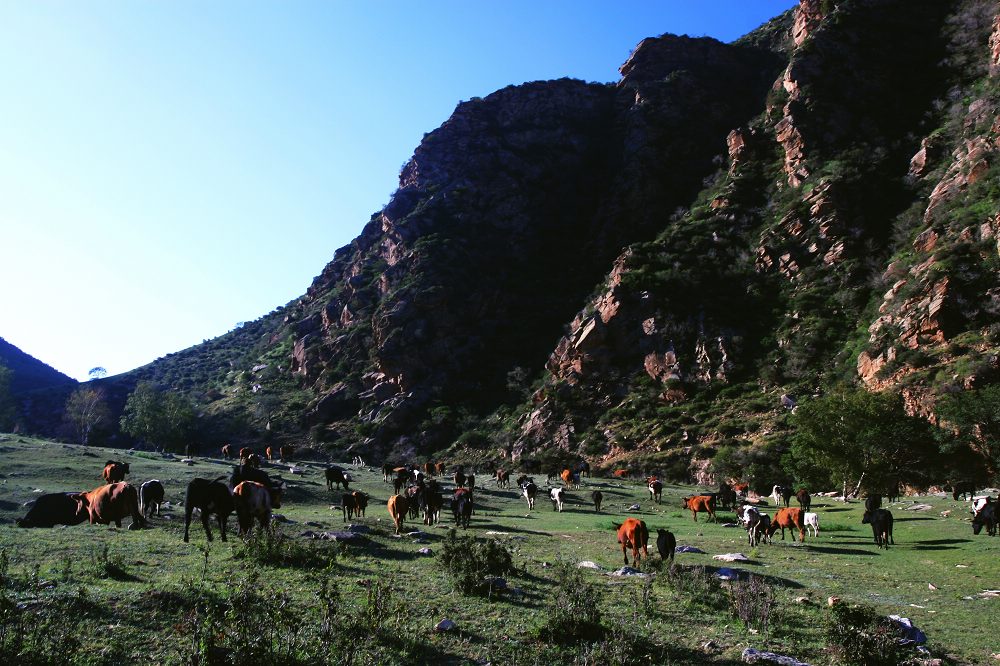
[168, 169]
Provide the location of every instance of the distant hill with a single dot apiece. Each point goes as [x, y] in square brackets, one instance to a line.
[29, 373]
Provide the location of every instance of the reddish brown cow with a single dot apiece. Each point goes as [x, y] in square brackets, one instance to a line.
[255, 500]
[114, 471]
[633, 534]
[438, 469]
[227, 451]
[741, 489]
[503, 478]
[567, 477]
[700, 503]
[429, 468]
[398, 505]
[620, 474]
[109, 504]
[245, 452]
[789, 518]
[269, 454]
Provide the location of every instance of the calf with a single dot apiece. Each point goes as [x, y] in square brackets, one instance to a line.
[788, 518]
[114, 471]
[666, 542]
[633, 534]
[398, 506]
[353, 503]
[150, 497]
[54, 509]
[881, 522]
[804, 499]
[335, 476]
[812, 523]
[529, 490]
[598, 497]
[255, 500]
[655, 490]
[558, 497]
[111, 503]
[208, 497]
[700, 503]
[461, 507]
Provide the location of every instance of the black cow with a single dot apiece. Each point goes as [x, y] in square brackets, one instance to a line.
[873, 502]
[150, 497]
[786, 494]
[335, 476]
[54, 509]
[353, 504]
[665, 544]
[433, 501]
[243, 473]
[726, 497]
[209, 497]
[986, 517]
[963, 488]
[461, 507]
[881, 522]
[598, 497]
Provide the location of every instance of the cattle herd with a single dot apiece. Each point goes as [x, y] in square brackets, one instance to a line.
[418, 493]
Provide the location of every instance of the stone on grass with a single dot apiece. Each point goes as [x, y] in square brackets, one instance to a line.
[587, 564]
[911, 635]
[688, 549]
[727, 574]
[628, 571]
[425, 551]
[752, 656]
[918, 507]
[732, 557]
[445, 625]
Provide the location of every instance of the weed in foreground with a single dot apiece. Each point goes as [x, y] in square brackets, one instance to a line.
[753, 602]
[573, 613]
[862, 637]
[472, 563]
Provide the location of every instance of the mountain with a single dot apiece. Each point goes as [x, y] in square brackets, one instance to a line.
[28, 373]
[649, 272]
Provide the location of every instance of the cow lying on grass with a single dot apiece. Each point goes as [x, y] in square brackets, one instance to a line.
[54, 509]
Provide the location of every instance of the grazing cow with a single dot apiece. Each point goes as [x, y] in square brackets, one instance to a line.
[727, 496]
[558, 497]
[387, 472]
[598, 497]
[335, 476]
[398, 506]
[269, 454]
[353, 503]
[788, 518]
[523, 479]
[881, 522]
[633, 534]
[460, 478]
[252, 460]
[150, 497]
[114, 471]
[470, 481]
[962, 488]
[438, 469]
[529, 490]
[54, 509]
[655, 490]
[804, 499]
[986, 517]
[208, 497]
[461, 507]
[755, 524]
[255, 500]
[286, 452]
[700, 503]
[433, 503]
[567, 477]
[812, 523]
[741, 489]
[227, 451]
[620, 473]
[502, 477]
[873, 502]
[666, 542]
[893, 491]
[111, 503]
[762, 532]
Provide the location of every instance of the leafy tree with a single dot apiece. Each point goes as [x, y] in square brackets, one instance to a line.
[87, 410]
[7, 408]
[164, 419]
[97, 373]
[860, 439]
[974, 417]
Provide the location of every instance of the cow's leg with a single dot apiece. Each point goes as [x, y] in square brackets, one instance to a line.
[187, 519]
[118, 523]
[222, 525]
[624, 554]
[204, 523]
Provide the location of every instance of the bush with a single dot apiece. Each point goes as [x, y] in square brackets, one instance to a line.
[753, 602]
[697, 584]
[573, 613]
[862, 637]
[472, 563]
[272, 547]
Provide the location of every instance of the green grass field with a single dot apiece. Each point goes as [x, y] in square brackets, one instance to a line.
[383, 598]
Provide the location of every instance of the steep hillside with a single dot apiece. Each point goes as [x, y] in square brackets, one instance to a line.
[28, 373]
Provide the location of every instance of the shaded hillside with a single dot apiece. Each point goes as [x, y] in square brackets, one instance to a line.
[28, 373]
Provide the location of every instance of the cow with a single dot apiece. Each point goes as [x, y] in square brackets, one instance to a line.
[470, 481]
[150, 497]
[227, 451]
[416, 476]
[387, 472]
[252, 460]
[962, 488]
[804, 499]
[111, 503]
[248, 472]
[873, 502]
[786, 494]
[245, 452]
[208, 496]
[255, 500]
[460, 478]
[727, 496]
[529, 490]
[812, 523]
[114, 471]
[461, 507]
[776, 495]
[433, 503]
[698, 503]
[741, 489]
[428, 469]
[502, 477]
[881, 522]
[893, 491]
[269, 454]
[666, 542]
[523, 479]
[583, 469]
[655, 490]
[558, 497]
[567, 477]
[398, 507]
[335, 476]
[353, 503]
[54, 509]
[415, 497]
[438, 469]
[755, 523]
[788, 518]
[286, 452]
[762, 531]
[598, 497]
[620, 474]
[633, 534]
[986, 517]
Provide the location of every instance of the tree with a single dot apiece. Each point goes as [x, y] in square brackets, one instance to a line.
[86, 410]
[97, 373]
[974, 418]
[164, 419]
[860, 439]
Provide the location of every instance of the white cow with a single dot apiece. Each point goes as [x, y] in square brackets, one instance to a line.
[812, 521]
[776, 495]
[558, 497]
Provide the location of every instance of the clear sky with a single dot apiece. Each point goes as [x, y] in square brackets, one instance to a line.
[168, 169]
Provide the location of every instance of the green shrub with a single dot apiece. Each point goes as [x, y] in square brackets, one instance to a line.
[862, 637]
[272, 547]
[471, 563]
[573, 613]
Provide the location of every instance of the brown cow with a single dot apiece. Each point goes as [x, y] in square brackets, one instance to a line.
[438, 469]
[620, 474]
[398, 506]
[633, 534]
[789, 518]
[700, 503]
[269, 454]
[503, 478]
[429, 468]
[567, 477]
[353, 503]
[286, 451]
[255, 500]
[656, 490]
[227, 451]
[114, 471]
[109, 504]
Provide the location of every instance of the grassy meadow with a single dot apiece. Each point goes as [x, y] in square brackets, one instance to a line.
[96, 594]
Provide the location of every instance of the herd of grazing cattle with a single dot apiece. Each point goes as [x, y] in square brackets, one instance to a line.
[252, 494]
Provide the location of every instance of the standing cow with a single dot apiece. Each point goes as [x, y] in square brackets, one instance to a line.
[633, 534]
[255, 501]
[150, 497]
[114, 471]
[698, 503]
[209, 497]
[111, 503]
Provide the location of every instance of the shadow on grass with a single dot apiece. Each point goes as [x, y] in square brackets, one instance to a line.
[909, 518]
[841, 551]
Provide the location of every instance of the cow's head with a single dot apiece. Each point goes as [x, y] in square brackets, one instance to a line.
[685, 502]
[977, 526]
[616, 526]
[867, 518]
[276, 491]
